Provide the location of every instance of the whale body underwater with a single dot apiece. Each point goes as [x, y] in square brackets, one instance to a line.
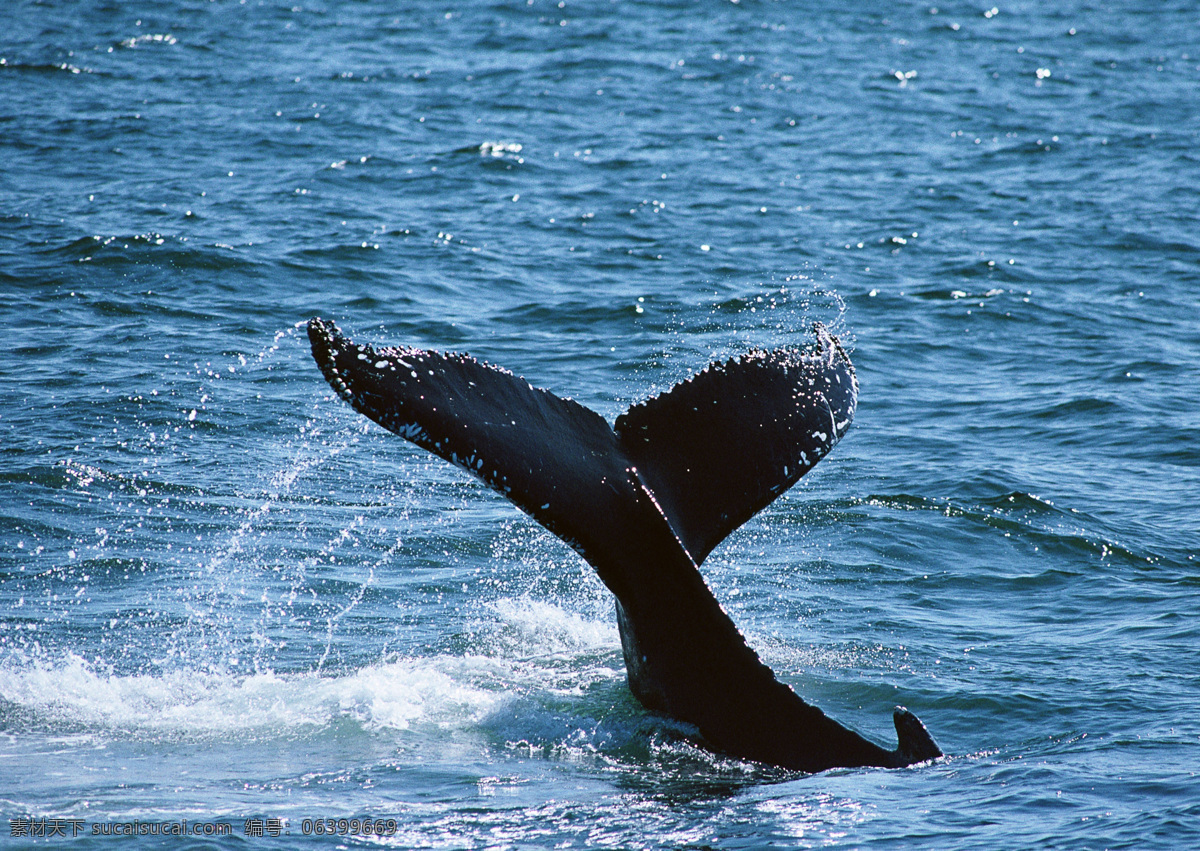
[644, 502]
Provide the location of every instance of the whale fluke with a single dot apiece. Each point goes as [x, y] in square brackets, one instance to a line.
[718, 448]
[644, 502]
[916, 745]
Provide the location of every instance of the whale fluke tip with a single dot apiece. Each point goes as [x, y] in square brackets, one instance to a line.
[916, 745]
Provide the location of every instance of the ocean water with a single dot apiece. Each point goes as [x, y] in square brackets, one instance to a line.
[229, 602]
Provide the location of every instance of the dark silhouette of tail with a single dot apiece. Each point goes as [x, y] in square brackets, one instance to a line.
[916, 745]
[644, 503]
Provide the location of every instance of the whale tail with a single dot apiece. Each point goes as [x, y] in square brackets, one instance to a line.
[712, 451]
[916, 745]
[644, 501]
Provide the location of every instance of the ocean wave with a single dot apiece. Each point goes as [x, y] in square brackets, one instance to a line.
[179, 252]
[1026, 517]
[533, 651]
[74, 695]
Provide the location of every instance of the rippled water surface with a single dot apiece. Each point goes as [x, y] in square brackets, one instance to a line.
[227, 598]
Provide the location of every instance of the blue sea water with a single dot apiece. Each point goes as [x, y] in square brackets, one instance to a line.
[228, 599]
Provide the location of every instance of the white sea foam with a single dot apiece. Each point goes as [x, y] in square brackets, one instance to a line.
[189, 703]
[529, 647]
[530, 627]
